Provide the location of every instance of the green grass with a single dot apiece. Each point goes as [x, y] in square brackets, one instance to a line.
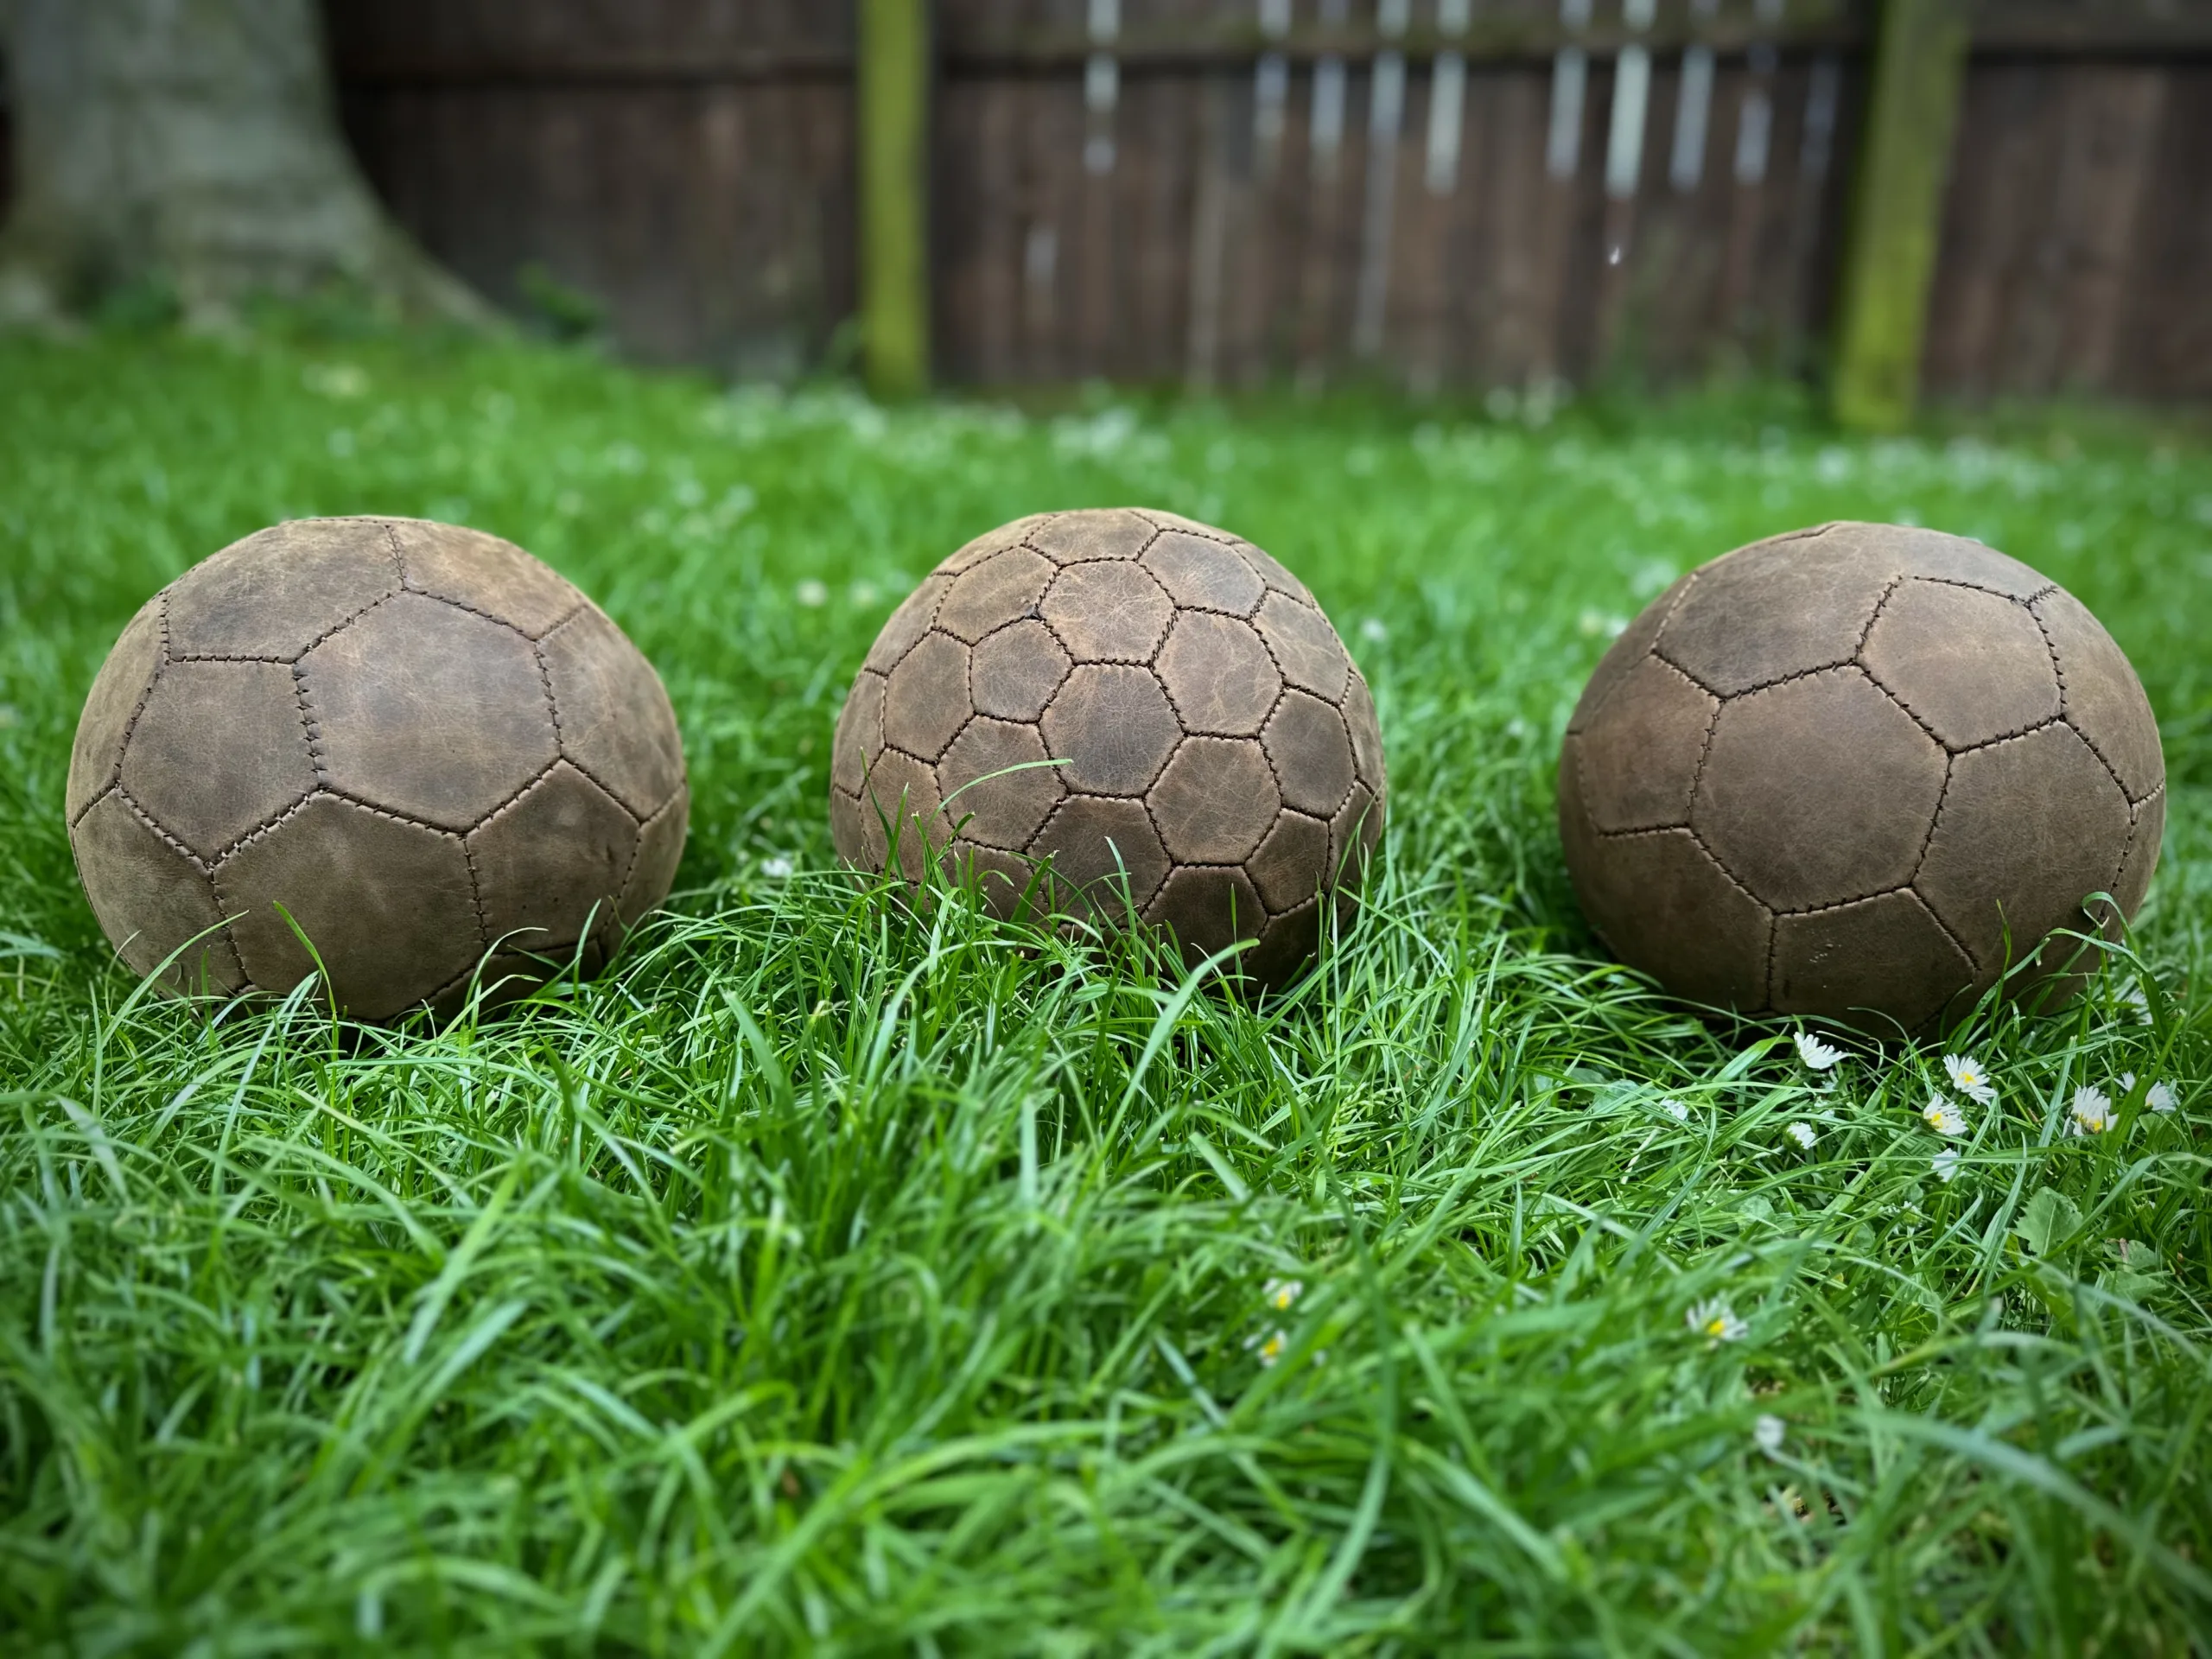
[828, 1276]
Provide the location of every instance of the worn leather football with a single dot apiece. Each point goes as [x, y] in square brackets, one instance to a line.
[1860, 772]
[410, 742]
[1113, 714]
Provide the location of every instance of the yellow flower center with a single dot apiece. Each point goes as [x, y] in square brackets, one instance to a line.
[1714, 1327]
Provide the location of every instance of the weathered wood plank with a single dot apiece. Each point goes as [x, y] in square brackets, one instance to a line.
[1919, 66]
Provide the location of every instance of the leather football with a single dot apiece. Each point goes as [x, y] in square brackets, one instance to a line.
[412, 744]
[1118, 715]
[1862, 771]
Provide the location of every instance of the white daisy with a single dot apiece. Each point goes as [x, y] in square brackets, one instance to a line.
[2159, 1097]
[1715, 1319]
[777, 868]
[2139, 1001]
[1945, 1164]
[1969, 1080]
[1802, 1133]
[2092, 1111]
[1942, 1116]
[1767, 1432]
[1271, 1348]
[1281, 1293]
[1676, 1109]
[1818, 1055]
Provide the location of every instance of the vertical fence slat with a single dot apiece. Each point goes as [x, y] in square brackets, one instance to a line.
[893, 87]
[1919, 71]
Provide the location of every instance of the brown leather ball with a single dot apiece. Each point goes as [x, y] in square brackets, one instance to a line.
[415, 740]
[1119, 693]
[1860, 772]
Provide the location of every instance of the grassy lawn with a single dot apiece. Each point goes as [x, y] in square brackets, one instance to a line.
[829, 1277]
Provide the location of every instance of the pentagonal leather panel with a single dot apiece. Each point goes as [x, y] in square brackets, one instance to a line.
[997, 783]
[1366, 732]
[1014, 673]
[436, 714]
[2104, 700]
[552, 860]
[1272, 571]
[1112, 729]
[992, 594]
[1354, 834]
[388, 906]
[1305, 647]
[1204, 574]
[483, 574]
[1639, 751]
[1778, 607]
[991, 541]
[1006, 882]
[1884, 964]
[112, 704]
[151, 898]
[1216, 800]
[1094, 533]
[859, 739]
[615, 721]
[1107, 612]
[1955, 558]
[1287, 946]
[925, 702]
[1661, 906]
[1628, 649]
[2029, 829]
[1207, 907]
[660, 849]
[908, 623]
[219, 749]
[1096, 845]
[1218, 674]
[1312, 752]
[1969, 665]
[902, 799]
[279, 590]
[1291, 865]
[1818, 790]
[2133, 882]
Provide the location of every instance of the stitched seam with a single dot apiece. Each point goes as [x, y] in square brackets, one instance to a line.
[145, 696]
[2065, 697]
[151, 823]
[317, 750]
[399, 559]
[2134, 829]
[2025, 732]
[1151, 651]
[1942, 798]
[1283, 668]
[327, 791]
[561, 736]
[944, 584]
[476, 896]
[1984, 587]
[1282, 689]
[342, 624]
[478, 610]
[1875, 615]
[1182, 604]
[1791, 677]
[1031, 606]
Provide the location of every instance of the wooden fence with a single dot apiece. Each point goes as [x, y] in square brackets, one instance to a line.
[1433, 193]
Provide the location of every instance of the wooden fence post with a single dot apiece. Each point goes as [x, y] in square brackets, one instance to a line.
[1898, 210]
[893, 90]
